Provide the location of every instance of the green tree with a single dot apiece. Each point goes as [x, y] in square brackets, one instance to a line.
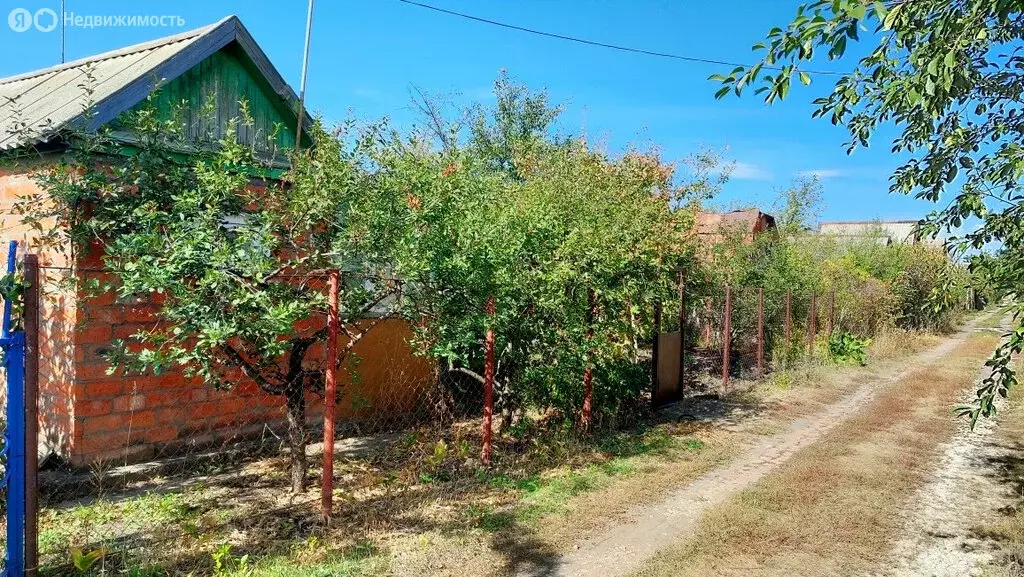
[948, 76]
[233, 260]
[538, 222]
[798, 207]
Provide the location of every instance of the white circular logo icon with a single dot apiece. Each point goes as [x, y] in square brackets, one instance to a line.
[45, 19]
[20, 19]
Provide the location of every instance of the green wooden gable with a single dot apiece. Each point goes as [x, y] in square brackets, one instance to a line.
[200, 77]
[211, 93]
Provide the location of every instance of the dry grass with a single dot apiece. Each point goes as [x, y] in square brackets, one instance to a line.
[546, 515]
[833, 508]
[897, 344]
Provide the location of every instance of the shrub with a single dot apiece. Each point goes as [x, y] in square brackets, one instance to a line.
[573, 245]
[846, 348]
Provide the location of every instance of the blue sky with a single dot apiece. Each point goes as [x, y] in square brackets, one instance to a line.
[366, 54]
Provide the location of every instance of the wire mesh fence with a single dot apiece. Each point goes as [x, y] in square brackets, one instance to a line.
[162, 469]
[164, 473]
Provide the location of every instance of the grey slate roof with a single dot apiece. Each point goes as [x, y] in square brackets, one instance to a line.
[886, 232]
[37, 106]
[879, 231]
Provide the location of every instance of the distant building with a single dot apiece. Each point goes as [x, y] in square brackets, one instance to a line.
[881, 231]
[714, 227]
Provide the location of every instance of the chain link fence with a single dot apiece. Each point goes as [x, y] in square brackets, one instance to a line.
[164, 475]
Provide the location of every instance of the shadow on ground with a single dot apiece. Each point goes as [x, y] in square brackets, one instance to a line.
[407, 487]
[1009, 472]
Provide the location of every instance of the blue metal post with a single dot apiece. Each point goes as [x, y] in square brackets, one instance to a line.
[14, 360]
[13, 345]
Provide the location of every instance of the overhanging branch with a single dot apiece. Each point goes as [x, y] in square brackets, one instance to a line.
[251, 371]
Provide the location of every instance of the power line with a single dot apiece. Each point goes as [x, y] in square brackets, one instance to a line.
[603, 44]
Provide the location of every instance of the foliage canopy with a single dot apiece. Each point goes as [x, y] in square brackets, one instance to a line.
[948, 76]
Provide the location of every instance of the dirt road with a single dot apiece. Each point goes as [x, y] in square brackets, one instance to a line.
[938, 538]
[650, 528]
[964, 490]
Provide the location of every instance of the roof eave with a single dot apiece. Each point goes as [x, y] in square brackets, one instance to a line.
[207, 41]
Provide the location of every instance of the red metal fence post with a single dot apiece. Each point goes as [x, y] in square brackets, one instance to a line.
[727, 336]
[760, 332]
[682, 335]
[330, 395]
[30, 318]
[588, 371]
[812, 319]
[485, 453]
[656, 349]
[831, 312]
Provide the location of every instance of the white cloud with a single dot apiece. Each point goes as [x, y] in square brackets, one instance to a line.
[821, 173]
[747, 171]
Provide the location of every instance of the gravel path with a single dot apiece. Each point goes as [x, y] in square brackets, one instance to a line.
[625, 547]
[964, 490]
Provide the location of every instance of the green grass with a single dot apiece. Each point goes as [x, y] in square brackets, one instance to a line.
[102, 519]
[364, 559]
[527, 484]
[539, 496]
[780, 380]
[196, 524]
[156, 508]
[488, 519]
[643, 442]
[305, 560]
[553, 495]
[334, 565]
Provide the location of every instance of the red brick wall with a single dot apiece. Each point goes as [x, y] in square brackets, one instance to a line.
[131, 418]
[87, 415]
[57, 315]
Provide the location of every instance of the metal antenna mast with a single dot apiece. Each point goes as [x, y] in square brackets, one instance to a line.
[63, 53]
[302, 81]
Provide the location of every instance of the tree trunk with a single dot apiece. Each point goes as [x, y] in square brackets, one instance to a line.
[295, 399]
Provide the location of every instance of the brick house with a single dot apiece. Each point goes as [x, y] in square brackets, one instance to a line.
[87, 415]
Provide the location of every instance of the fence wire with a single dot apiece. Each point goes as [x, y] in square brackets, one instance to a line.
[164, 475]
